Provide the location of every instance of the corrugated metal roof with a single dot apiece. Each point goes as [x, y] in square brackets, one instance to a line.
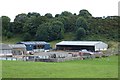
[48, 53]
[5, 46]
[17, 46]
[78, 42]
[33, 42]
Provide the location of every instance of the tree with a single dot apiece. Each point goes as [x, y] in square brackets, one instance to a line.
[66, 13]
[80, 33]
[50, 31]
[57, 15]
[19, 22]
[32, 24]
[21, 18]
[42, 32]
[49, 15]
[68, 22]
[85, 13]
[9, 34]
[30, 14]
[56, 30]
[27, 37]
[5, 25]
[81, 22]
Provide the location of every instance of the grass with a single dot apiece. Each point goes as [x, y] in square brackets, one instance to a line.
[0, 69]
[67, 36]
[91, 68]
[99, 37]
[18, 38]
[13, 40]
[53, 43]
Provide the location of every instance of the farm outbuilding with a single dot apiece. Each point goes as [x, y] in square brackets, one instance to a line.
[18, 49]
[79, 45]
[5, 50]
[36, 46]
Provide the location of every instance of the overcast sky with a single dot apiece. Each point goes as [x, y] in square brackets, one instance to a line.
[98, 8]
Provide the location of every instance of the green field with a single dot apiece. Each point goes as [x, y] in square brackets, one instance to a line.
[91, 68]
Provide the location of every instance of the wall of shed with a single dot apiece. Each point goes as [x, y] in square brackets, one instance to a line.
[36, 46]
[32, 47]
[18, 51]
[101, 46]
[5, 51]
[47, 46]
[29, 47]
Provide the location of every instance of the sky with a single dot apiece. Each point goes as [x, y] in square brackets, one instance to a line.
[98, 8]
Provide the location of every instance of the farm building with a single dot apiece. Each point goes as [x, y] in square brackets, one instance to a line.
[18, 49]
[36, 46]
[79, 45]
[5, 50]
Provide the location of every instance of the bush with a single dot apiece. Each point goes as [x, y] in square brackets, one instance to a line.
[80, 33]
[9, 34]
[26, 37]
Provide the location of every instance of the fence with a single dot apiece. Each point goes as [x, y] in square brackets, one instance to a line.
[55, 59]
[11, 58]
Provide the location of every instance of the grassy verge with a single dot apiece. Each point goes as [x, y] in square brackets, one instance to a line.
[92, 68]
[67, 37]
[11, 40]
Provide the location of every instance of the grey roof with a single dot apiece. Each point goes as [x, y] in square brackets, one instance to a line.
[79, 42]
[49, 53]
[5, 46]
[17, 46]
[33, 42]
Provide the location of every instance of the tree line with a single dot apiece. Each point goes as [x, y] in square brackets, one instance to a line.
[33, 26]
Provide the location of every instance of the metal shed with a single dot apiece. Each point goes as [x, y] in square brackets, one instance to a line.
[79, 45]
[18, 49]
[5, 50]
[36, 46]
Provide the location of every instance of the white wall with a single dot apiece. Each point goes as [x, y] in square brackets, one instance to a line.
[101, 46]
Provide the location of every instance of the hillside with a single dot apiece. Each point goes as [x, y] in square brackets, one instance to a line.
[67, 36]
[64, 26]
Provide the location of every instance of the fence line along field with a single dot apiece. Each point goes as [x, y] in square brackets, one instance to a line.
[91, 68]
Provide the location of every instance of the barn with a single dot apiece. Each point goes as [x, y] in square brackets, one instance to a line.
[5, 50]
[79, 45]
[18, 49]
[36, 46]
